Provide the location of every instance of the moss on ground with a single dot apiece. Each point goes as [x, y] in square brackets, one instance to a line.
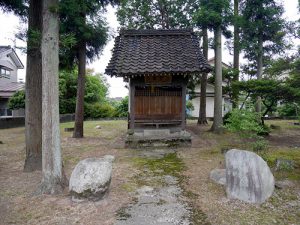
[271, 155]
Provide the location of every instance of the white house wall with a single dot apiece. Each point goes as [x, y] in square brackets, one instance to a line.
[226, 104]
[8, 62]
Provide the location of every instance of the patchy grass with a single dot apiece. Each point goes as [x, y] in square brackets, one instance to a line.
[131, 171]
[271, 155]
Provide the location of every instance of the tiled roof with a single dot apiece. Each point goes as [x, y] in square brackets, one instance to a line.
[8, 89]
[156, 51]
[4, 48]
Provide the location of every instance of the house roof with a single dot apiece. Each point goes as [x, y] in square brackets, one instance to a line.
[211, 61]
[8, 89]
[9, 51]
[4, 48]
[150, 52]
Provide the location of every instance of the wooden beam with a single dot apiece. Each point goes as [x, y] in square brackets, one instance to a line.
[183, 115]
[132, 103]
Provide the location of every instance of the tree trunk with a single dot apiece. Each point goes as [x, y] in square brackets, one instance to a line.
[259, 70]
[202, 110]
[33, 101]
[52, 180]
[218, 120]
[236, 54]
[79, 113]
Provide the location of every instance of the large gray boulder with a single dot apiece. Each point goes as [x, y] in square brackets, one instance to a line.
[248, 177]
[91, 178]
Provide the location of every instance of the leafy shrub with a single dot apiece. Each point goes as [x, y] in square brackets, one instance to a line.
[287, 109]
[226, 117]
[17, 101]
[122, 108]
[189, 105]
[259, 145]
[245, 122]
[98, 110]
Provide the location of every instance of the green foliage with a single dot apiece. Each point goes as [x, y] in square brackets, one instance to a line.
[17, 101]
[262, 20]
[259, 145]
[82, 21]
[288, 109]
[213, 13]
[271, 91]
[244, 122]
[96, 90]
[98, 110]
[19, 7]
[189, 105]
[122, 108]
[149, 14]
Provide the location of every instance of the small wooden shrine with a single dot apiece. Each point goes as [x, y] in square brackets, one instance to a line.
[157, 64]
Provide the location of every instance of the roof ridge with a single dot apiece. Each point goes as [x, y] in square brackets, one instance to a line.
[150, 32]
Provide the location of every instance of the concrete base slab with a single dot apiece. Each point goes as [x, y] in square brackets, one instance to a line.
[158, 138]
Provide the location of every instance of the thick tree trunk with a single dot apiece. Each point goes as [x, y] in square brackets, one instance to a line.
[236, 55]
[33, 101]
[218, 120]
[202, 110]
[79, 113]
[52, 180]
[259, 71]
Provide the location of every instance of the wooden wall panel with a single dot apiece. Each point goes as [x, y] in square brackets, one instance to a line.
[158, 104]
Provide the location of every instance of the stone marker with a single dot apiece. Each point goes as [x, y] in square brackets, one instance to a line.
[218, 176]
[91, 178]
[248, 177]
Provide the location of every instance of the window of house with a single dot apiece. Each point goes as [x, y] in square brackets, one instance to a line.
[4, 73]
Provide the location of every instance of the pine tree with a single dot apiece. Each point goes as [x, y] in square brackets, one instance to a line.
[262, 33]
[32, 12]
[216, 15]
[90, 37]
[52, 179]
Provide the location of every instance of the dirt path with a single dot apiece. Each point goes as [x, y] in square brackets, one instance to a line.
[160, 201]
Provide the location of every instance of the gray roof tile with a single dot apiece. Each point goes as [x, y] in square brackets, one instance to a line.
[156, 51]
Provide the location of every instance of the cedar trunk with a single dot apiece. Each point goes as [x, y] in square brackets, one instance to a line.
[79, 113]
[218, 120]
[236, 54]
[202, 110]
[52, 180]
[259, 70]
[33, 100]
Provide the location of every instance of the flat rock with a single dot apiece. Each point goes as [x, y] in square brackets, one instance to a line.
[284, 164]
[282, 184]
[91, 178]
[248, 177]
[218, 176]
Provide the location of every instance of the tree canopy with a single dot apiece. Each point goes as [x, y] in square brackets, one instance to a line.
[149, 14]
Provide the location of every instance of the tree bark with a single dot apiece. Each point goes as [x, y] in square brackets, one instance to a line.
[259, 70]
[33, 90]
[218, 120]
[79, 113]
[202, 108]
[52, 180]
[236, 54]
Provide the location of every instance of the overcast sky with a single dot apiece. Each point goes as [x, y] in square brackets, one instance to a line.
[10, 24]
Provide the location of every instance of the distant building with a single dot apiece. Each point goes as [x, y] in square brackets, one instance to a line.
[210, 94]
[9, 65]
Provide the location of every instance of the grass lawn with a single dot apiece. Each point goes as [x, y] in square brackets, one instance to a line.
[207, 199]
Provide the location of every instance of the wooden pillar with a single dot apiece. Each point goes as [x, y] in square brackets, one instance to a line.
[132, 103]
[183, 122]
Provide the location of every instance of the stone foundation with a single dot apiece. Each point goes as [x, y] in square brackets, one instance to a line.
[158, 138]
